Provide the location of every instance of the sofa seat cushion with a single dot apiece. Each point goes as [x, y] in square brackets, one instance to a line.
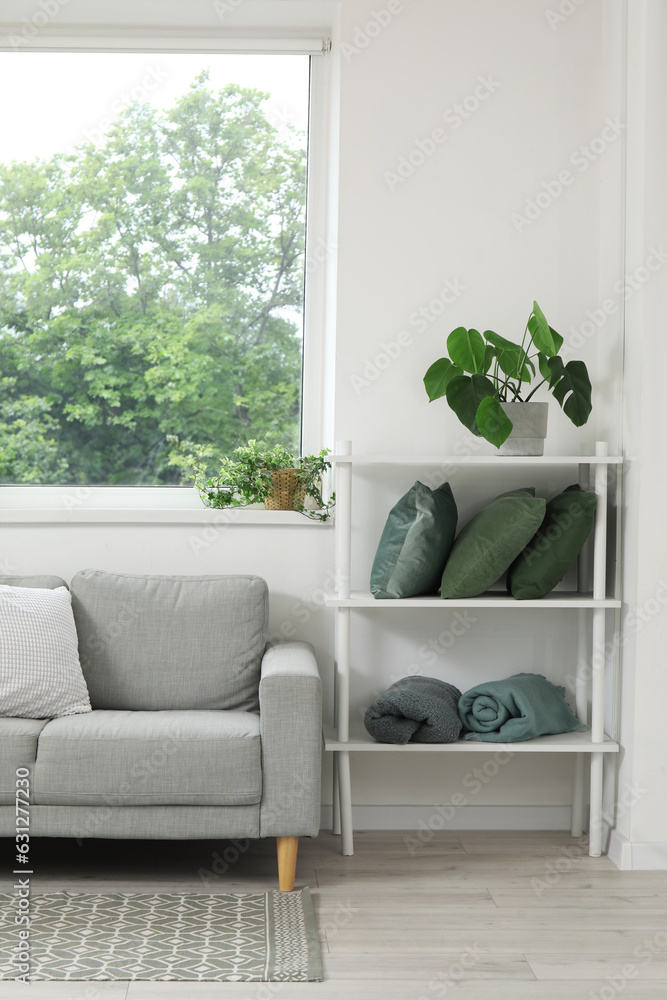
[171, 642]
[150, 758]
[18, 748]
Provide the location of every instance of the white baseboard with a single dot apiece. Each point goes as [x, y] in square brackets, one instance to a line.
[620, 851]
[464, 818]
[638, 857]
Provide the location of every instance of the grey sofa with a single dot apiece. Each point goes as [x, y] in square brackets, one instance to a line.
[199, 729]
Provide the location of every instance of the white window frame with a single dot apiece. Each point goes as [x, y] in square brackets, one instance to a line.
[178, 504]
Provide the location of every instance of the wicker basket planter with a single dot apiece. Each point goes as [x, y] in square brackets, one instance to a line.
[287, 490]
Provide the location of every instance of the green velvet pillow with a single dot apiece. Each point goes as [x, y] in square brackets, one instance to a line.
[490, 542]
[415, 543]
[548, 556]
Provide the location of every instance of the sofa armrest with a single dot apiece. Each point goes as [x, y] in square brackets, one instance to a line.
[290, 712]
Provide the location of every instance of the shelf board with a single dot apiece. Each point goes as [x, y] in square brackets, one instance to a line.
[360, 740]
[364, 599]
[458, 460]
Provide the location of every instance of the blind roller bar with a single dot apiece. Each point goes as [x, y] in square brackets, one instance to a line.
[18, 38]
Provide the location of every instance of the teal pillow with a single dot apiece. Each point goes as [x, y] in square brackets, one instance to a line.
[415, 543]
[548, 556]
[490, 542]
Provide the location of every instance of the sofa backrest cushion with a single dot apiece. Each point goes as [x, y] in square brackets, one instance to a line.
[38, 582]
[169, 642]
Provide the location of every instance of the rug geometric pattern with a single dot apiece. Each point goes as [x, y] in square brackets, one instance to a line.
[163, 936]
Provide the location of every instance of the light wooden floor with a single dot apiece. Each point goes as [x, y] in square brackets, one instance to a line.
[471, 916]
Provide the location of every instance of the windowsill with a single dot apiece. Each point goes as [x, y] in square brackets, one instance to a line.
[109, 515]
[130, 505]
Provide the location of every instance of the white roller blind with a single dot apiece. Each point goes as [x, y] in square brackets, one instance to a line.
[15, 38]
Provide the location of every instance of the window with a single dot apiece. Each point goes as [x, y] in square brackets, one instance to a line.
[152, 235]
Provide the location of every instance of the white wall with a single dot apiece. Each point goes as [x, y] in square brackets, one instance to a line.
[551, 87]
[553, 90]
[642, 827]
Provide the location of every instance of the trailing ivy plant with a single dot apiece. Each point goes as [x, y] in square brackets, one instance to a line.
[245, 478]
[500, 371]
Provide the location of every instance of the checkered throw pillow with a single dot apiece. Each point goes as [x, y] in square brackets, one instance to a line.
[40, 673]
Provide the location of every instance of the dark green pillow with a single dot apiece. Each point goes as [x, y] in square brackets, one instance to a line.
[548, 556]
[415, 543]
[490, 542]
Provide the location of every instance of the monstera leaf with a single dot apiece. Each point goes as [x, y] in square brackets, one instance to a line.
[438, 377]
[571, 386]
[465, 393]
[467, 349]
[493, 422]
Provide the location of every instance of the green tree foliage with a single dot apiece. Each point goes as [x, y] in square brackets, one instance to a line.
[148, 289]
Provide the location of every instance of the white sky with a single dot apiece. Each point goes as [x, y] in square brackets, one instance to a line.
[53, 100]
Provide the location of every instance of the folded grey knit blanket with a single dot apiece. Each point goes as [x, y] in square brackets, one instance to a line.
[415, 709]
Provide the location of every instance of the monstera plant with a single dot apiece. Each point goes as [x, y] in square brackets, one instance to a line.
[485, 370]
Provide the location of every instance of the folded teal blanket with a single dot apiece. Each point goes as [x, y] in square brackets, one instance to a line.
[519, 708]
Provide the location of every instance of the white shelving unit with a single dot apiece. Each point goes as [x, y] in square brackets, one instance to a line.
[343, 741]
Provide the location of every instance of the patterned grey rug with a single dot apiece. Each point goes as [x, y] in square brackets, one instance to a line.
[164, 936]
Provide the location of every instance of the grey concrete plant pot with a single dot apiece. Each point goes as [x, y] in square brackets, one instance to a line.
[529, 428]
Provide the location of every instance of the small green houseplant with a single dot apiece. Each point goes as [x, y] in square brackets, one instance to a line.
[500, 371]
[248, 476]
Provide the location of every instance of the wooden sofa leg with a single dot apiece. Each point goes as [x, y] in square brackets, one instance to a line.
[287, 848]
